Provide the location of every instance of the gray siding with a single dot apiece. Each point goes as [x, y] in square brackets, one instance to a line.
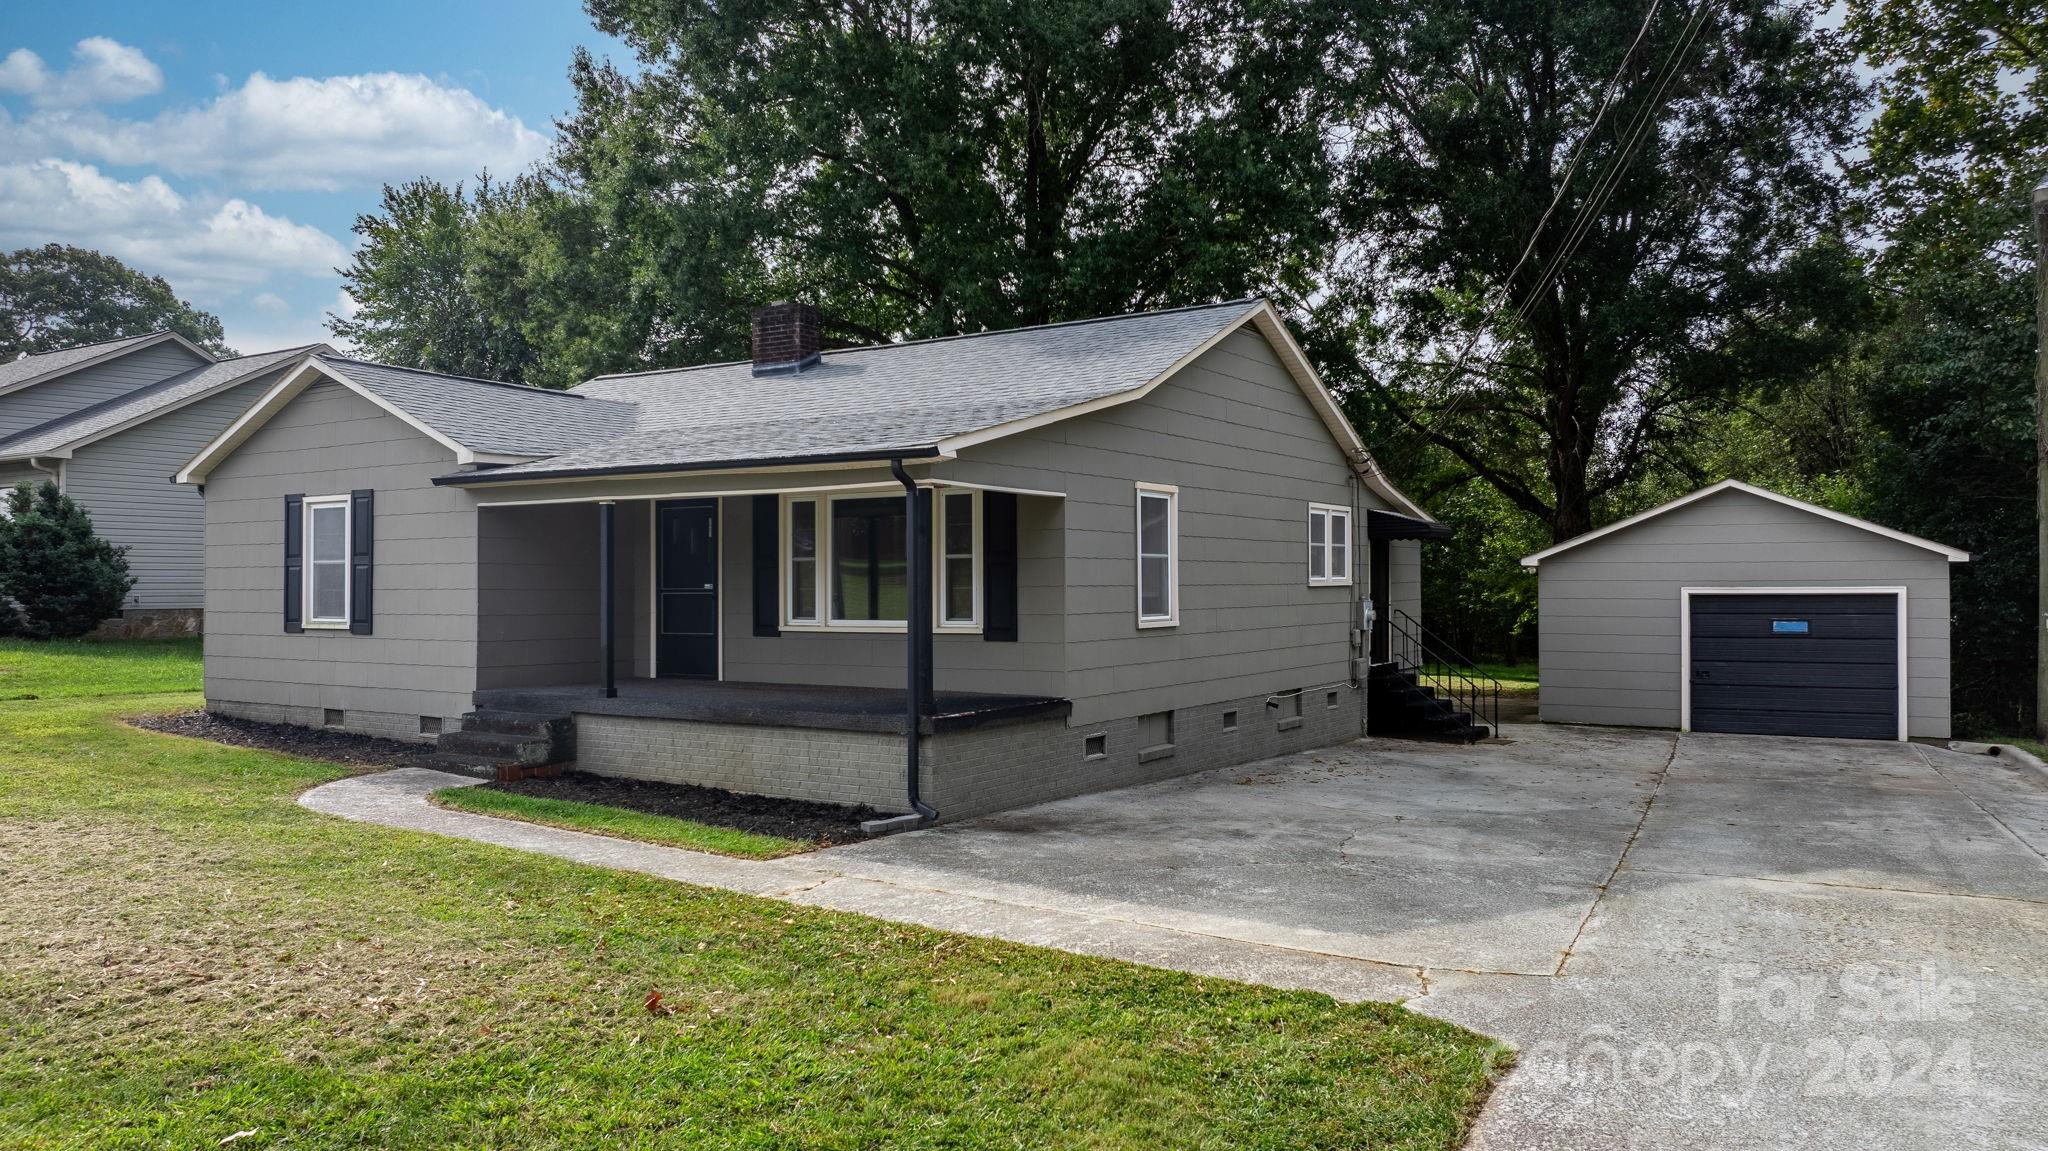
[40, 403]
[1404, 576]
[422, 659]
[20, 473]
[1609, 635]
[125, 483]
[1233, 432]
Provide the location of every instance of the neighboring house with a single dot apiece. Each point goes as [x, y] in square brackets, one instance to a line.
[1141, 547]
[111, 424]
[1738, 609]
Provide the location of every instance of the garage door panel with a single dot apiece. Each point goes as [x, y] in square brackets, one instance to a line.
[1859, 625]
[1801, 649]
[1824, 664]
[1880, 701]
[1786, 675]
[1840, 726]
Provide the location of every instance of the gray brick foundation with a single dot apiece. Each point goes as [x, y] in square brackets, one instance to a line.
[385, 725]
[965, 773]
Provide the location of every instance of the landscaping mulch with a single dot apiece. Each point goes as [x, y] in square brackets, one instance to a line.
[344, 747]
[824, 824]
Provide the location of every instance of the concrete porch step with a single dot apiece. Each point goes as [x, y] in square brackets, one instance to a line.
[498, 746]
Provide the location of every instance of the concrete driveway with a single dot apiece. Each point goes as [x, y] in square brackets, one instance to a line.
[1695, 941]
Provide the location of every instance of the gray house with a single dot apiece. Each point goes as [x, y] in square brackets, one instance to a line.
[1739, 609]
[1067, 557]
[111, 424]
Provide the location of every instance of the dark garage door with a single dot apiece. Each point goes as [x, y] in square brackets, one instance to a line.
[1796, 665]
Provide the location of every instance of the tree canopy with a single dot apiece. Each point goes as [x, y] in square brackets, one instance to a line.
[57, 296]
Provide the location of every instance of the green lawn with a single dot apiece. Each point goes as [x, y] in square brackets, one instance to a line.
[1512, 676]
[619, 821]
[187, 955]
[80, 669]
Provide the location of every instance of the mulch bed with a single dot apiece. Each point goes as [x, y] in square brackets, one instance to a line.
[344, 747]
[824, 824]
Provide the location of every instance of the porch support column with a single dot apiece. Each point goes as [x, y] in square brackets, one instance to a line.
[607, 543]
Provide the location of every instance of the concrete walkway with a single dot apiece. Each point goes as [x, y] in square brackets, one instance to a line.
[1698, 941]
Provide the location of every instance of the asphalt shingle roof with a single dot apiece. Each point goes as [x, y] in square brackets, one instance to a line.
[876, 400]
[57, 434]
[484, 416]
[29, 367]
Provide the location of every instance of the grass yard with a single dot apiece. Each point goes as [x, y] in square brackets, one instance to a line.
[79, 669]
[188, 958]
[1512, 676]
[622, 822]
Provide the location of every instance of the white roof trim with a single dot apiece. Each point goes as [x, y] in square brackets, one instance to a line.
[1953, 555]
[65, 452]
[294, 381]
[110, 354]
[1292, 358]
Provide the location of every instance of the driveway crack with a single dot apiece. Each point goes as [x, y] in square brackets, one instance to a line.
[1621, 860]
[1972, 801]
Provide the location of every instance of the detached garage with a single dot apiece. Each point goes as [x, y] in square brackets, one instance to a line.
[1737, 609]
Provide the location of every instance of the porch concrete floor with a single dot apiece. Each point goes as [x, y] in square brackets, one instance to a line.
[771, 704]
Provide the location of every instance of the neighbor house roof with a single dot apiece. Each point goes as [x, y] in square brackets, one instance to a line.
[34, 369]
[481, 421]
[1953, 555]
[63, 435]
[922, 399]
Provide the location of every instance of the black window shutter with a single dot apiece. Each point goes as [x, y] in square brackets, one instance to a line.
[294, 563]
[999, 566]
[362, 565]
[767, 559]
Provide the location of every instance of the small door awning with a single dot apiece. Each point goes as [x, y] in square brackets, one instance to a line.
[1381, 525]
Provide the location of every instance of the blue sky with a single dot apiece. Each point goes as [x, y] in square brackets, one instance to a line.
[229, 147]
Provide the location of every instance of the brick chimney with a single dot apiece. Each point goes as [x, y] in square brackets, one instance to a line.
[787, 338]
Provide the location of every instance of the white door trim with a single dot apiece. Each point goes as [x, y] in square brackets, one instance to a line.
[1685, 595]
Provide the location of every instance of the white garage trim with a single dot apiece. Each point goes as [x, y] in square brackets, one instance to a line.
[1685, 636]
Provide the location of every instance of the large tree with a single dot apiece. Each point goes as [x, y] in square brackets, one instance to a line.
[1687, 256]
[923, 167]
[57, 296]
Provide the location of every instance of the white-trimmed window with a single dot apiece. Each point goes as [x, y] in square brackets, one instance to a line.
[957, 562]
[326, 535]
[1158, 555]
[1329, 544]
[843, 561]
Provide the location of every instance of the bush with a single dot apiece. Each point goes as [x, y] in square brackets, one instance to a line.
[63, 580]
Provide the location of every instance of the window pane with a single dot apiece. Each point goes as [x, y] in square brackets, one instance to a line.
[960, 589]
[803, 589]
[1340, 546]
[1152, 524]
[803, 529]
[1152, 587]
[1316, 520]
[329, 591]
[867, 559]
[960, 524]
[330, 532]
[1315, 560]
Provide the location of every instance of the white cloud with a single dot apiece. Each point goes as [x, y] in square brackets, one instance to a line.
[304, 133]
[269, 303]
[207, 248]
[103, 71]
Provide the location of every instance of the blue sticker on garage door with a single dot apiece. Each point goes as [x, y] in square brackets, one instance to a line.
[1796, 664]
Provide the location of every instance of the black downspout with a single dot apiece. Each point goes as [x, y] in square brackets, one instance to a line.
[607, 535]
[917, 628]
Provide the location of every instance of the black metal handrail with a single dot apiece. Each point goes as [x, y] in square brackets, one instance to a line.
[1440, 666]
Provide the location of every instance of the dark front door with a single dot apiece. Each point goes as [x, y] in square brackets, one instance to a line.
[1796, 664]
[686, 588]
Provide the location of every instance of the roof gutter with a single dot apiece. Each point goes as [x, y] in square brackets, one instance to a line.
[891, 455]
